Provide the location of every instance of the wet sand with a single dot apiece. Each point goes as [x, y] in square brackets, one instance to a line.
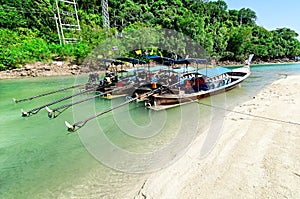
[253, 158]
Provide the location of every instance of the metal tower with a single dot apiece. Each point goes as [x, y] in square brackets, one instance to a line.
[67, 23]
[105, 14]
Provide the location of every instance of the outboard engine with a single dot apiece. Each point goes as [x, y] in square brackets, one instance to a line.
[93, 80]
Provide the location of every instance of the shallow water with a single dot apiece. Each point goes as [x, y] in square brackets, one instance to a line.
[39, 159]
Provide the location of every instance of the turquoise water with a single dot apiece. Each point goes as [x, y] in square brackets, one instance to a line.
[39, 159]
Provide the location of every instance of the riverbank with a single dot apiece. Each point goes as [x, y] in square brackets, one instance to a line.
[60, 68]
[257, 62]
[253, 158]
[40, 69]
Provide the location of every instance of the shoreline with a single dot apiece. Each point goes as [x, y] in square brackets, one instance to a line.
[40, 69]
[261, 64]
[254, 157]
[67, 69]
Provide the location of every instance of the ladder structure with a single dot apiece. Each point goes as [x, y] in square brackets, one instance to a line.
[67, 21]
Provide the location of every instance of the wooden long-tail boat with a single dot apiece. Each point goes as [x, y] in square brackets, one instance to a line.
[196, 85]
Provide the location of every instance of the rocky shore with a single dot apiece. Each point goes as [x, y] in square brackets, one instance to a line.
[59, 68]
[40, 69]
[256, 62]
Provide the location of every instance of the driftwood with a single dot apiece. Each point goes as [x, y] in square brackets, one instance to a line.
[141, 193]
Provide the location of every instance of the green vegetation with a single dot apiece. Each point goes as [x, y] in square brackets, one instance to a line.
[28, 30]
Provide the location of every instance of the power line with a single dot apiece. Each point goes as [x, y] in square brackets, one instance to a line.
[248, 114]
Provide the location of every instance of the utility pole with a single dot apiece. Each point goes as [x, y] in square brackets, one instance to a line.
[105, 14]
[241, 20]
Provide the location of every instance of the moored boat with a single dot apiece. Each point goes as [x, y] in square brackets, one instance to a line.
[188, 87]
[196, 85]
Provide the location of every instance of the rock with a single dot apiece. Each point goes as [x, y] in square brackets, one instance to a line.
[23, 74]
[58, 63]
[48, 68]
[16, 70]
[28, 67]
[74, 67]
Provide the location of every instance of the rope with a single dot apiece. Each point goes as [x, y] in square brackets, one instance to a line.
[248, 114]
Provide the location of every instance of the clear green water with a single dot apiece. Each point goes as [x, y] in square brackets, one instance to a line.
[38, 159]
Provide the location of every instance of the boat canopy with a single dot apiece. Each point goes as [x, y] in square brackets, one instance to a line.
[184, 69]
[210, 72]
[156, 68]
[179, 61]
[158, 58]
[151, 56]
[135, 69]
[110, 61]
[131, 60]
[152, 69]
[189, 61]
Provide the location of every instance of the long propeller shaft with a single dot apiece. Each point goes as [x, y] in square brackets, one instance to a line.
[48, 93]
[36, 110]
[51, 112]
[83, 122]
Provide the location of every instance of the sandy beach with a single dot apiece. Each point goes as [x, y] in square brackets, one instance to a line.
[253, 158]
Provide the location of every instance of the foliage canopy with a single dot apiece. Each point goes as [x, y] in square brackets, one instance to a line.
[28, 30]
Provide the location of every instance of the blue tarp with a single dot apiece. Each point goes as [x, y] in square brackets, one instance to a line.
[182, 61]
[184, 69]
[191, 60]
[131, 60]
[135, 69]
[155, 68]
[151, 56]
[210, 72]
[179, 61]
[201, 60]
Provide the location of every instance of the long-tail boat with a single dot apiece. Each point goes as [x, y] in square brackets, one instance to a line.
[195, 85]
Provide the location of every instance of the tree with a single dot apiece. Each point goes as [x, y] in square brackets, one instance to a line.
[247, 16]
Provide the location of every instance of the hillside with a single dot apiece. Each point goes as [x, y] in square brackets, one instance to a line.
[28, 30]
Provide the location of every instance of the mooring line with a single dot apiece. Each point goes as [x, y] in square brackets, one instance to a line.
[248, 114]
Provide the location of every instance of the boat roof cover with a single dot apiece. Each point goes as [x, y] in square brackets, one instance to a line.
[131, 60]
[191, 60]
[153, 68]
[179, 61]
[184, 69]
[210, 72]
[151, 56]
[157, 68]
